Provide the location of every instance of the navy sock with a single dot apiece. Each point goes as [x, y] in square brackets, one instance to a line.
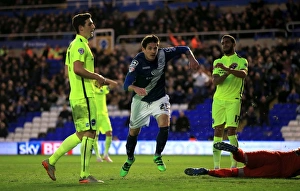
[130, 146]
[161, 140]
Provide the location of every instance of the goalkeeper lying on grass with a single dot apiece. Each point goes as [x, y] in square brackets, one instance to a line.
[258, 164]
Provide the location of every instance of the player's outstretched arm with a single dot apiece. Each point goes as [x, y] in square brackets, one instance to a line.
[194, 64]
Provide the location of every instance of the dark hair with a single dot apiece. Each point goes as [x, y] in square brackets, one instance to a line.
[148, 39]
[80, 19]
[230, 37]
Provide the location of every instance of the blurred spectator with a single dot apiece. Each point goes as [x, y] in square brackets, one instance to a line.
[195, 43]
[3, 118]
[178, 95]
[183, 60]
[182, 123]
[3, 130]
[251, 117]
[34, 104]
[173, 123]
[293, 97]
[46, 51]
[21, 107]
[11, 114]
[176, 41]
[64, 115]
[61, 96]
[264, 108]
[45, 105]
[283, 94]
[4, 99]
[201, 82]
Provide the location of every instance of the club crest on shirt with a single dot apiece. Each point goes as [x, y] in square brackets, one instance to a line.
[93, 122]
[81, 51]
[233, 65]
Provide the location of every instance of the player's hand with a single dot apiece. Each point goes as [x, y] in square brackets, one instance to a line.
[220, 65]
[100, 81]
[140, 91]
[96, 83]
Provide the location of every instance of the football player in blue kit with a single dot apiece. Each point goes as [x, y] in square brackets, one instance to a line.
[146, 79]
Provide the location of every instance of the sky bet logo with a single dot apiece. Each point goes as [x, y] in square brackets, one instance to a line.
[32, 148]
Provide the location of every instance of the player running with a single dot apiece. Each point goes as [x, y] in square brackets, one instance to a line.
[146, 79]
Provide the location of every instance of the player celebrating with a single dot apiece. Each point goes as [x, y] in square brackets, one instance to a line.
[146, 78]
[104, 125]
[228, 75]
[80, 70]
[259, 164]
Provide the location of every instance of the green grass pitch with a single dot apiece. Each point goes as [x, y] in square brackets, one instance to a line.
[26, 173]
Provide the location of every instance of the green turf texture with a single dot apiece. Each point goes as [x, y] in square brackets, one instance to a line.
[27, 174]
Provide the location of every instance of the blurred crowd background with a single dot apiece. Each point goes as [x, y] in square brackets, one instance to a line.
[29, 84]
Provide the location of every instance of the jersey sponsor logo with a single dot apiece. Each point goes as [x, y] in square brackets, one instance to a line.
[149, 78]
[81, 51]
[147, 67]
[25, 148]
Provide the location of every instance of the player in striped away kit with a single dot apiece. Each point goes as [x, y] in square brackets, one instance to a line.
[146, 79]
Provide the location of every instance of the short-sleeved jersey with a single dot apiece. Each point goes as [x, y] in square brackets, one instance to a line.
[79, 50]
[100, 95]
[151, 74]
[232, 87]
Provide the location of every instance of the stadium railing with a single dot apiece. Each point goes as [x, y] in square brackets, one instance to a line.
[272, 33]
[293, 26]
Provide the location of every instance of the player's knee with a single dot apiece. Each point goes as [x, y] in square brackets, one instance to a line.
[108, 133]
[231, 131]
[219, 130]
[134, 132]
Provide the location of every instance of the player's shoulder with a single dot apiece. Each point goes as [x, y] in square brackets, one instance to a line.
[135, 62]
[218, 59]
[168, 49]
[78, 43]
[239, 56]
[139, 58]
